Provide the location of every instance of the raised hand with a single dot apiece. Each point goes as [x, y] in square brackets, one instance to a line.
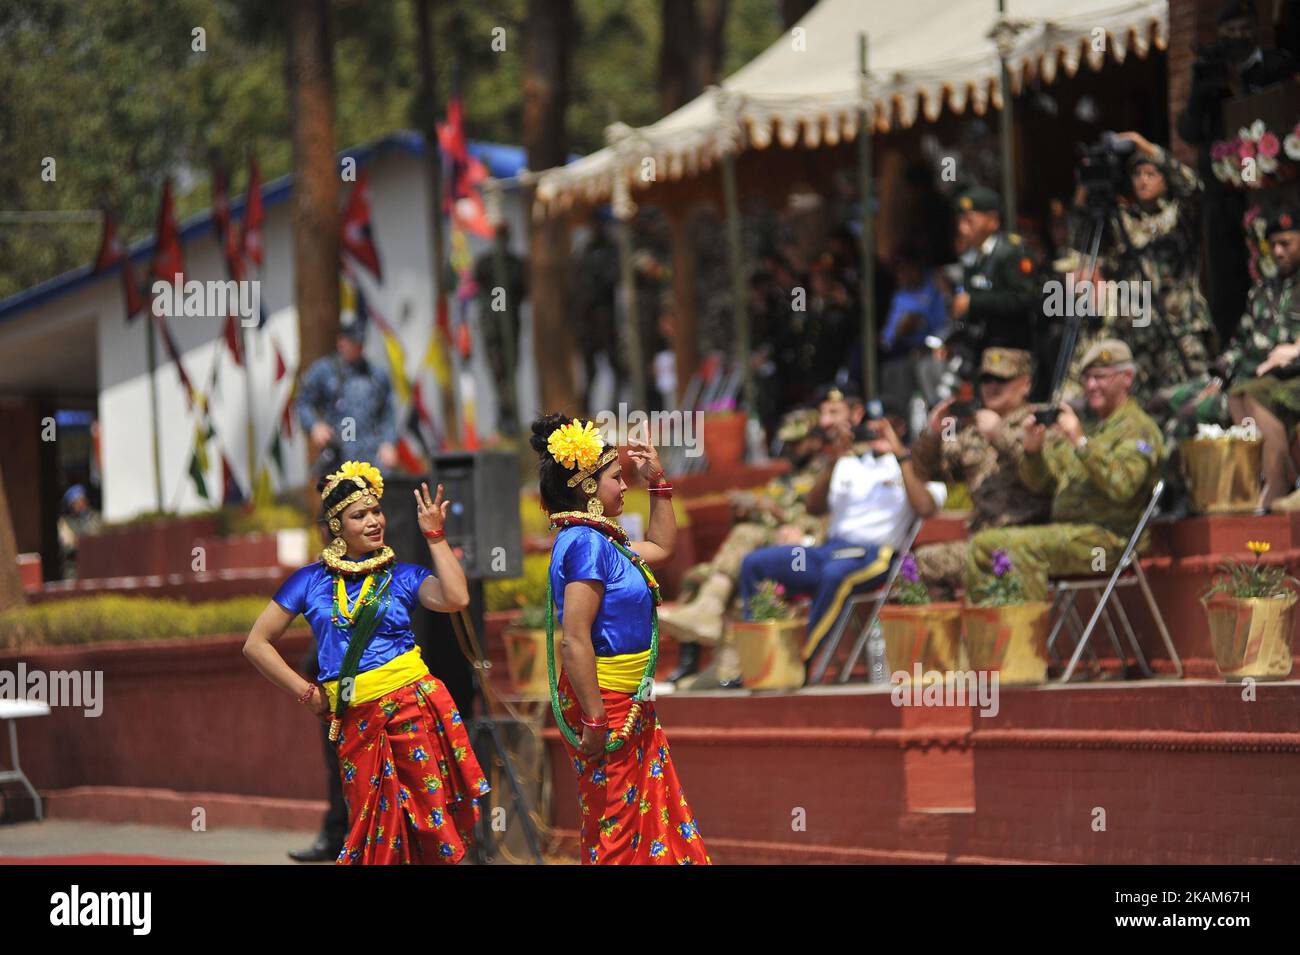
[430, 512]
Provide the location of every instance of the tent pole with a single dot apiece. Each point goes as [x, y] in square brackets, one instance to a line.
[739, 292]
[631, 314]
[867, 240]
[1007, 126]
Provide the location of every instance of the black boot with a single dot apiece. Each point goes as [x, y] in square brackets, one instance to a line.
[688, 662]
[322, 850]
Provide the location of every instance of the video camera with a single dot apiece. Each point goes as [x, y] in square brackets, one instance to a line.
[1103, 170]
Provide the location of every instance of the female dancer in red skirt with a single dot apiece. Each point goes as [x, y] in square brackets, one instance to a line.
[633, 808]
[410, 779]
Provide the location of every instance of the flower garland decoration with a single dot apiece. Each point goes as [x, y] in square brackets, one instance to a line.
[1257, 157]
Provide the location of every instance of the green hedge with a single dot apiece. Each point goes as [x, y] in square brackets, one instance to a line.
[80, 620]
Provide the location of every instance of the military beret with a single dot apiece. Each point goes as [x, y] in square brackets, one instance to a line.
[1236, 10]
[979, 199]
[1284, 217]
[1005, 363]
[849, 391]
[1107, 353]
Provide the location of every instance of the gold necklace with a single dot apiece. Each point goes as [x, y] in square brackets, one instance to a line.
[357, 568]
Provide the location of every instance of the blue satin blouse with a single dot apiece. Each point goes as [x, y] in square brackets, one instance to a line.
[310, 592]
[622, 623]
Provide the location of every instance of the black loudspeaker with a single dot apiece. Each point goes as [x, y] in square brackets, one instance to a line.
[483, 522]
[482, 528]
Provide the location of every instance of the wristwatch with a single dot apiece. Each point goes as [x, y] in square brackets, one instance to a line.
[1083, 443]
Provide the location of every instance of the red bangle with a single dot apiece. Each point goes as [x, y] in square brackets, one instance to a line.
[434, 535]
[603, 724]
[307, 693]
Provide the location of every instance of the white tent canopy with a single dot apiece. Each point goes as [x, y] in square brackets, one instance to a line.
[806, 86]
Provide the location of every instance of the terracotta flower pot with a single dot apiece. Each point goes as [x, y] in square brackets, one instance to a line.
[1222, 474]
[526, 661]
[1011, 640]
[928, 634]
[724, 439]
[1251, 636]
[771, 652]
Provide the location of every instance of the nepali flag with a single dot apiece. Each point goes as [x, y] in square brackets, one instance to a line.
[168, 261]
[250, 239]
[112, 251]
[355, 236]
[225, 231]
[463, 200]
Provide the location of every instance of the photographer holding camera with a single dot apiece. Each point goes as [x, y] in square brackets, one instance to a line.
[1099, 473]
[982, 448]
[1233, 65]
[872, 498]
[1150, 242]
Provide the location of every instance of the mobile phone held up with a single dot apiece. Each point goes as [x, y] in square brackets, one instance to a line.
[962, 409]
[1047, 416]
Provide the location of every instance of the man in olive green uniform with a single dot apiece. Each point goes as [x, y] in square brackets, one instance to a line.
[1099, 473]
[984, 454]
[773, 515]
[1000, 294]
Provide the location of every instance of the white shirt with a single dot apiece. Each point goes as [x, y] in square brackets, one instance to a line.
[868, 501]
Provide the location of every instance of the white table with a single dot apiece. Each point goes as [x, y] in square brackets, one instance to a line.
[10, 711]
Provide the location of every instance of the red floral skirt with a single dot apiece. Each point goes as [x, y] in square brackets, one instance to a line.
[632, 805]
[410, 779]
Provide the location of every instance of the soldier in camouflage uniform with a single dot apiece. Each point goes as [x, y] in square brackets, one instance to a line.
[1267, 332]
[984, 454]
[1271, 396]
[773, 515]
[1099, 473]
[1156, 239]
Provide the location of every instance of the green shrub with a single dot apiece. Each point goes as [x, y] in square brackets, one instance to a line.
[80, 620]
[516, 592]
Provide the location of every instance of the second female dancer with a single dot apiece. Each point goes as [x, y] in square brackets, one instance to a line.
[632, 805]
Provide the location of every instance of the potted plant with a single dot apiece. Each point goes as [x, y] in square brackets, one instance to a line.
[1222, 469]
[1005, 632]
[724, 435]
[770, 643]
[525, 642]
[918, 630]
[1251, 610]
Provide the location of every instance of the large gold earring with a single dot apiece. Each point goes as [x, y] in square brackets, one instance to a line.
[594, 507]
[338, 547]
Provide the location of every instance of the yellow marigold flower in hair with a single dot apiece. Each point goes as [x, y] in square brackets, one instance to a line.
[365, 470]
[576, 445]
[1258, 547]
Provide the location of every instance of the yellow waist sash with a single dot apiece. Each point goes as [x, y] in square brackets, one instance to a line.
[622, 672]
[372, 684]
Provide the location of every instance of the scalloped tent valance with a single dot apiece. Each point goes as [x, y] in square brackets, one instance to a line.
[805, 88]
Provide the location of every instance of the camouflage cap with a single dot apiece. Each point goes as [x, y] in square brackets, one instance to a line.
[1106, 353]
[1006, 363]
[797, 425]
[979, 199]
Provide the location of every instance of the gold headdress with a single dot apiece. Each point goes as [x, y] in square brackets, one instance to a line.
[579, 445]
[369, 484]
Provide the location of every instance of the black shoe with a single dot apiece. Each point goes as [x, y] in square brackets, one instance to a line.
[688, 662]
[322, 850]
[736, 684]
